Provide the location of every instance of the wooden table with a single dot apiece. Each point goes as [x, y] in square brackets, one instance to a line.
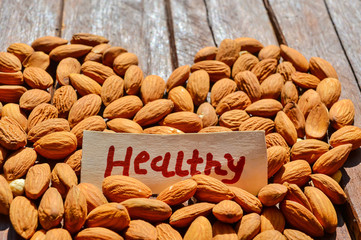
[165, 34]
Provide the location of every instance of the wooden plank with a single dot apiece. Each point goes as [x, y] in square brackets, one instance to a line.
[139, 26]
[191, 29]
[347, 21]
[24, 21]
[308, 28]
[234, 19]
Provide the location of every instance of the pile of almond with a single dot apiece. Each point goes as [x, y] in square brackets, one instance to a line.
[239, 86]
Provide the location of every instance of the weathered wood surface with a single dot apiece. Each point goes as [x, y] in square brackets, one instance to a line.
[138, 26]
[308, 28]
[346, 18]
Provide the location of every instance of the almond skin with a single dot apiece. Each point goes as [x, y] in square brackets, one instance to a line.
[98, 233]
[248, 82]
[275, 139]
[295, 57]
[20, 50]
[249, 44]
[221, 89]
[297, 172]
[272, 219]
[211, 189]
[270, 234]
[296, 194]
[233, 119]
[32, 98]
[93, 195]
[63, 178]
[12, 135]
[215, 69]
[345, 135]
[200, 229]
[322, 68]
[245, 62]
[184, 121]
[221, 229]
[198, 86]
[329, 90]
[264, 108]
[317, 122]
[139, 229]
[206, 53]
[309, 150]
[111, 53]
[264, 68]
[178, 192]
[152, 88]
[11, 78]
[228, 51]
[72, 50]
[75, 210]
[308, 100]
[66, 67]
[96, 54]
[276, 157]
[123, 62]
[63, 99]
[11, 93]
[342, 113]
[211, 129]
[58, 234]
[123, 125]
[208, 114]
[178, 77]
[248, 227]
[97, 71]
[293, 234]
[257, 123]
[112, 89]
[305, 80]
[329, 187]
[289, 93]
[183, 217]
[37, 180]
[48, 43]
[88, 39]
[182, 99]
[124, 107]
[272, 86]
[51, 209]
[270, 51]
[37, 59]
[285, 127]
[9, 62]
[84, 84]
[13, 111]
[162, 130]
[236, 100]
[294, 113]
[18, 163]
[165, 232]
[272, 194]
[227, 211]
[246, 200]
[84, 107]
[37, 78]
[41, 113]
[47, 127]
[286, 69]
[93, 123]
[133, 79]
[6, 196]
[153, 112]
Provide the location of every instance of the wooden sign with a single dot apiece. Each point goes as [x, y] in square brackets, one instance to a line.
[235, 158]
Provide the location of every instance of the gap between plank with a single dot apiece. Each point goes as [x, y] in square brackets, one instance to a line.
[209, 23]
[61, 17]
[343, 48]
[275, 24]
[172, 47]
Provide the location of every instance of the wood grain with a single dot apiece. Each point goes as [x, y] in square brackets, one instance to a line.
[308, 28]
[139, 26]
[347, 21]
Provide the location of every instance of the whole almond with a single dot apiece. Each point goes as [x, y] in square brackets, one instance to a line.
[112, 89]
[165, 232]
[249, 44]
[97, 71]
[248, 227]
[133, 79]
[183, 217]
[93, 195]
[305, 80]
[248, 82]
[13, 111]
[20, 50]
[37, 180]
[12, 135]
[286, 69]
[329, 187]
[110, 54]
[264, 108]
[93, 123]
[66, 67]
[295, 57]
[23, 222]
[63, 99]
[48, 126]
[206, 53]
[297, 172]
[220, 89]
[181, 98]
[6, 196]
[58, 234]
[84, 107]
[264, 68]
[11, 78]
[342, 113]
[245, 62]
[123, 62]
[152, 88]
[51, 209]
[272, 194]
[285, 127]
[228, 51]
[200, 229]
[32, 98]
[72, 50]
[41, 113]
[296, 194]
[215, 69]
[9, 62]
[208, 114]
[56, 145]
[309, 150]
[75, 210]
[198, 86]
[63, 178]
[294, 113]
[119, 188]
[39, 235]
[178, 192]
[308, 100]
[332, 160]
[37, 78]
[211, 189]
[124, 107]
[84, 84]
[293, 234]
[124, 125]
[18, 163]
[275, 139]
[228, 211]
[276, 157]
[329, 90]
[317, 122]
[270, 51]
[162, 130]
[345, 135]
[211, 129]
[98, 233]
[232, 119]
[257, 123]
[113, 216]
[236, 100]
[37, 59]
[322, 68]
[178, 77]
[272, 219]
[11, 93]
[272, 86]
[153, 112]
[184, 121]
[270, 234]
[139, 229]
[96, 54]
[246, 200]
[220, 230]
[48, 43]
[88, 39]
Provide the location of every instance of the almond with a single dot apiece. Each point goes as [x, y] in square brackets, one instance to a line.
[150, 210]
[270, 234]
[322, 208]
[317, 122]
[206, 53]
[162, 130]
[178, 192]
[84, 85]
[294, 113]
[39, 235]
[305, 80]
[152, 88]
[98, 233]
[257, 123]
[221, 89]
[329, 90]
[9, 62]
[6, 196]
[18, 163]
[198, 86]
[139, 229]
[295, 194]
[72, 50]
[48, 43]
[84, 107]
[96, 54]
[342, 113]
[345, 135]
[236, 100]
[285, 127]
[264, 108]
[88, 39]
[51, 209]
[223, 231]
[208, 114]
[332, 160]
[93, 195]
[276, 157]
[23, 216]
[211, 190]
[119, 188]
[112, 89]
[178, 77]
[329, 187]
[200, 229]
[321, 68]
[20, 50]
[212, 129]
[272, 219]
[32, 98]
[270, 51]
[181, 98]
[37, 180]
[248, 82]
[123, 125]
[308, 100]
[272, 86]
[97, 71]
[184, 121]
[215, 69]
[133, 79]
[110, 54]
[93, 123]
[249, 44]
[293, 234]
[272, 194]
[233, 119]
[41, 113]
[248, 227]
[113, 216]
[63, 99]
[75, 210]
[264, 68]
[297, 172]
[56, 145]
[11, 78]
[13, 111]
[228, 51]
[48, 126]
[123, 62]
[165, 232]
[245, 62]
[227, 211]
[37, 59]
[286, 69]
[37, 78]
[275, 139]
[246, 200]
[183, 217]
[295, 57]
[63, 178]
[309, 150]
[11, 93]
[12, 135]
[124, 107]
[66, 67]
[153, 112]
[57, 234]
